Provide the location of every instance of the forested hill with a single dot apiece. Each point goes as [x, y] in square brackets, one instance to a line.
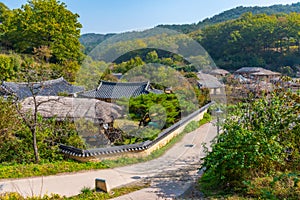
[234, 14]
[91, 40]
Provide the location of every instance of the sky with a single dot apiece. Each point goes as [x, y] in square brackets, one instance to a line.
[115, 16]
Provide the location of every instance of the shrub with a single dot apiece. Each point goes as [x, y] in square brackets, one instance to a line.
[260, 137]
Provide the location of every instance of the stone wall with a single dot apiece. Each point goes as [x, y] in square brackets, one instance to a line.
[134, 150]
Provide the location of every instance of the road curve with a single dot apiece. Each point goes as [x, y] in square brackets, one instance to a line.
[170, 174]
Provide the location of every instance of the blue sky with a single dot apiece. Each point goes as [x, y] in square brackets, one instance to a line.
[115, 16]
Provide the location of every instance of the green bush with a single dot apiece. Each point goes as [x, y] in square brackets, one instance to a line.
[206, 118]
[260, 138]
[9, 66]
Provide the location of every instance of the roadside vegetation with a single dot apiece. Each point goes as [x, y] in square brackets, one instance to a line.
[86, 193]
[258, 154]
[21, 171]
[17, 170]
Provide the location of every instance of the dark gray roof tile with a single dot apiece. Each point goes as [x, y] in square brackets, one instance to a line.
[46, 88]
[117, 90]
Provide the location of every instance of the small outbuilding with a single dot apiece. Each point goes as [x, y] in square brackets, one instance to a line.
[210, 82]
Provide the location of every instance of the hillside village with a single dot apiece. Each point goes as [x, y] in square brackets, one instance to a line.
[228, 86]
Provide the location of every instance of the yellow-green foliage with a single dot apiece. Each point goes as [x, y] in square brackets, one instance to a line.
[9, 65]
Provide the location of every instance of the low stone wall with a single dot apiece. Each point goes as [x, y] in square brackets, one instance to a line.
[134, 150]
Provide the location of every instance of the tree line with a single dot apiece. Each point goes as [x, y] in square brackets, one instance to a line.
[270, 41]
[233, 14]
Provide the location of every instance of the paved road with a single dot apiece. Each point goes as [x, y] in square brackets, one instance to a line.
[170, 175]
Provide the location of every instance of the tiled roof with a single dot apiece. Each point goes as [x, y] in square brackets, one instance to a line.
[4, 91]
[117, 90]
[46, 88]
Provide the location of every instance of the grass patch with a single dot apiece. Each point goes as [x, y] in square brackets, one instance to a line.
[46, 169]
[279, 186]
[206, 118]
[112, 194]
[86, 193]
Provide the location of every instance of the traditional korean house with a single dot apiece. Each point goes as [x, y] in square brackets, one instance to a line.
[210, 82]
[258, 73]
[54, 87]
[111, 91]
[219, 73]
[94, 119]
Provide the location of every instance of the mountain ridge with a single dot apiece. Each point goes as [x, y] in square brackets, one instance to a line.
[234, 13]
[91, 40]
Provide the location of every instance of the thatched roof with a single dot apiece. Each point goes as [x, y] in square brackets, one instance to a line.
[258, 71]
[73, 108]
[265, 72]
[208, 81]
[219, 72]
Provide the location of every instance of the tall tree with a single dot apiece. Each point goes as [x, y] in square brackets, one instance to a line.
[45, 23]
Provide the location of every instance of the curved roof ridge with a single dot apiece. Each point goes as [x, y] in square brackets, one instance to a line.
[125, 83]
[48, 82]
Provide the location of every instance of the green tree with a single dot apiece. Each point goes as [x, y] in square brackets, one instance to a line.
[152, 57]
[168, 106]
[45, 23]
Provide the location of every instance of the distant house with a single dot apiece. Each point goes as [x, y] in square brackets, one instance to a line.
[54, 87]
[210, 82]
[219, 73]
[293, 85]
[258, 73]
[117, 75]
[110, 91]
